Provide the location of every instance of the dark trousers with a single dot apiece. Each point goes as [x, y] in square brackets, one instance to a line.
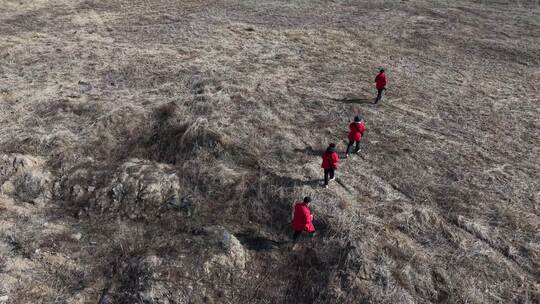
[379, 95]
[296, 235]
[351, 142]
[328, 173]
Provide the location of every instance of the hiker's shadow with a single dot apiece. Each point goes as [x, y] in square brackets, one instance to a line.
[295, 182]
[355, 100]
[257, 243]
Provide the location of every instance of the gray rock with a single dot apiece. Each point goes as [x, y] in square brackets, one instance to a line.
[185, 204]
[85, 86]
[31, 185]
[10, 164]
[77, 236]
[138, 189]
[233, 255]
[25, 178]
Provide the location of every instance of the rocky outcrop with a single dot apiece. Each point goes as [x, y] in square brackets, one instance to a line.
[25, 178]
[138, 189]
[232, 255]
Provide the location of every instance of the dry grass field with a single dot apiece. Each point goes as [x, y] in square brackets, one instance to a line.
[151, 151]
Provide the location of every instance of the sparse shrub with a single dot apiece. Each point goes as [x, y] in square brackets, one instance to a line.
[165, 111]
[199, 134]
[163, 143]
[115, 134]
[30, 185]
[202, 105]
[20, 244]
[174, 140]
[200, 84]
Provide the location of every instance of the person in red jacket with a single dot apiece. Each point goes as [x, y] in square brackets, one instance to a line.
[302, 218]
[380, 83]
[330, 160]
[356, 131]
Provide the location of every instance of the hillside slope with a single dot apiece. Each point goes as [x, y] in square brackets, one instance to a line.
[150, 151]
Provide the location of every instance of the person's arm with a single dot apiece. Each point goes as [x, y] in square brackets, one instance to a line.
[308, 218]
[309, 225]
[362, 128]
[335, 157]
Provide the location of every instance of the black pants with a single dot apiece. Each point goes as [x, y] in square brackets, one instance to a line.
[328, 173]
[351, 142]
[296, 235]
[379, 95]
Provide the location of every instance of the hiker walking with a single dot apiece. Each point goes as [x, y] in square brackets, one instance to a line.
[356, 131]
[302, 218]
[380, 83]
[330, 160]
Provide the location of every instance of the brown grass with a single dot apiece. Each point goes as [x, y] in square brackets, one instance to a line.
[229, 104]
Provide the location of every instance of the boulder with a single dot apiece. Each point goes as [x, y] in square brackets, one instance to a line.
[232, 255]
[10, 164]
[32, 185]
[25, 178]
[156, 293]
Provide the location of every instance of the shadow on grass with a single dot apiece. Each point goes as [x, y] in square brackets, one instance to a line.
[295, 182]
[355, 100]
[252, 241]
[342, 184]
[258, 243]
[309, 151]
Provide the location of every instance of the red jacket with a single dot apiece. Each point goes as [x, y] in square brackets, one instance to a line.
[302, 218]
[357, 130]
[381, 81]
[330, 160]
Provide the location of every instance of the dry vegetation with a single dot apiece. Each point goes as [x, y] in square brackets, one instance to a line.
[150, 151]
